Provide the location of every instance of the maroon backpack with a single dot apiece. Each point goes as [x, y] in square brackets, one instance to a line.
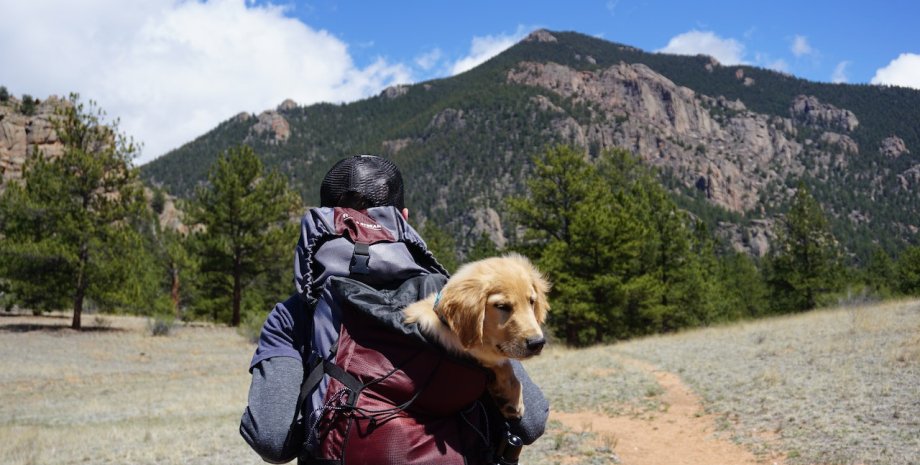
[393, 399]
[387, 395]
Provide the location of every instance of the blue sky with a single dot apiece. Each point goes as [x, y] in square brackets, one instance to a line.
[173, 69]
[865, 35]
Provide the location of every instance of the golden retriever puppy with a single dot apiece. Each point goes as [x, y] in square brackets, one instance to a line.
[491, 310]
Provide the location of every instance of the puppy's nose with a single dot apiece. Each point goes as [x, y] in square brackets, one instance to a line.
[535, 344]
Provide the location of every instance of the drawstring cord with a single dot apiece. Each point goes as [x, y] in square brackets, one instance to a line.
[485, 418]
[337, 403]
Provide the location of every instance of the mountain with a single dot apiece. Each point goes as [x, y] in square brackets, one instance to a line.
[731, 142]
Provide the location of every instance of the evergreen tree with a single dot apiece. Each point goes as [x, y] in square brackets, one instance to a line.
[804, 261]
[562, 180]
[175, 266]
[880, 272]
[243, 231]
[743, 293]
[695, 294]
[482, 248]
[589, 250]
[67, 229]
[442, 245]
[622, 257]
[28, 105]
[908, 271]
[158, 201]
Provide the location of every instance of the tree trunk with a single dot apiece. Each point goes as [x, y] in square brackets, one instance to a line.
[77, 310]
[81, 288]
[237, 294]
[174, 293]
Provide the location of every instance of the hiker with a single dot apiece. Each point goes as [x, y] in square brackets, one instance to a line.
[358, 260]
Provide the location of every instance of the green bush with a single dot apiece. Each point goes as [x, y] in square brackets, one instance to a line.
[28, 105]
[908, 270]
[161, 325]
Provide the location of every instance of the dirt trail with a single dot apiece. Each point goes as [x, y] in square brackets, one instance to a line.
[680, 434]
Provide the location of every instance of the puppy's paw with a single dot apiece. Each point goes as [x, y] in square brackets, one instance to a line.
[507, 392]
[511, 411]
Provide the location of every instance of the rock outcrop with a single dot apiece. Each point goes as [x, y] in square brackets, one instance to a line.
[753, 239]
[893, 147]
[287, 105]
[394, 91]
[909, 180]
[736, 152]
[731, 154]
[540, 35]
[448, 118]
[22, 136]
[485, 221]
[271, 126]
[810, 111]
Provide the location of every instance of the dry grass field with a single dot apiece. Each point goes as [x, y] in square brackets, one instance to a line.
[115, 394]
[828, 387]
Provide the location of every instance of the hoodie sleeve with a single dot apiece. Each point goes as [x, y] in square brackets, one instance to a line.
[269, 424]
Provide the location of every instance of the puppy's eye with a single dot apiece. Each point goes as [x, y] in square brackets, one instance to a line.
[533, 300]
[503, 307]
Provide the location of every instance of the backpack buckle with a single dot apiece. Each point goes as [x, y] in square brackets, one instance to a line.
[360, 259]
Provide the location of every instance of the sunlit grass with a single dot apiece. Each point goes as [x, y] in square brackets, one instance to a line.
[830, 386]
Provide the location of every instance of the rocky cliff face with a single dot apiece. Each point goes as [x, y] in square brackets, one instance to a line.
[708, 142]
[271, 125]
[718, 146]
[808, 110]
[22, 136]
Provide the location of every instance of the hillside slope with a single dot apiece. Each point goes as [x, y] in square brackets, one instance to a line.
[730, 141]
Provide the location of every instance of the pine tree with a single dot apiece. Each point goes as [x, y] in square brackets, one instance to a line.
[482, 248]
[28, 105]
[590, 249]
[243, 230]
[442, 245]
[880, 273]
[804, 262]
[561, 181]
[67, 229]
[743, 292]
[908, 271]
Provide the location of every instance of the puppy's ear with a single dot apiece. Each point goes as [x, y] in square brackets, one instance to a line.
[463, 304]
[541, 288]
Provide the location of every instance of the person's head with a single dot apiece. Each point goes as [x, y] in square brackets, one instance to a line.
[361, 182]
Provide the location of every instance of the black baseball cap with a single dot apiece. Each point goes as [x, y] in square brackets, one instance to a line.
[362, 181]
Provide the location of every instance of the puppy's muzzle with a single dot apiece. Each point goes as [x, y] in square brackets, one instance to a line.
[535, 345]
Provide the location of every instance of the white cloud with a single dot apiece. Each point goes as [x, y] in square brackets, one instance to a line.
[840, 73]
[612, 6]
[429, 60]
[485, 47]
[171, 70]
[727, 51]
[902, 71]
[800, 46]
